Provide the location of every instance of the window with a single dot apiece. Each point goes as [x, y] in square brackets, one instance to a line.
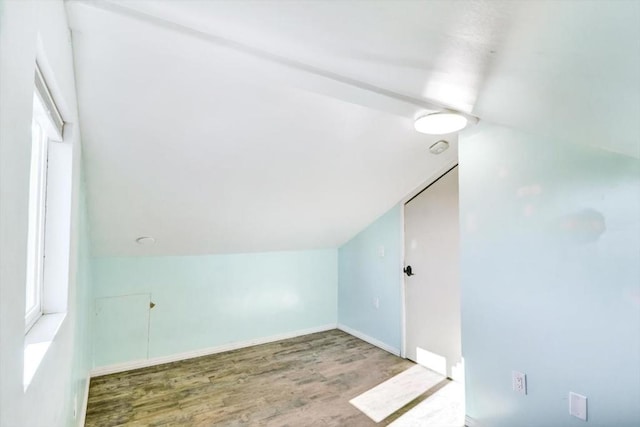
[46, 126]
[37, 207]
[48, 237]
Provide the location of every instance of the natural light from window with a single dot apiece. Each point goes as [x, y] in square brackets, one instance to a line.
[37, 203]
[46, 284]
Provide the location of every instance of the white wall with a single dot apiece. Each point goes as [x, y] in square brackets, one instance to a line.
[17, 52]
[62, 373]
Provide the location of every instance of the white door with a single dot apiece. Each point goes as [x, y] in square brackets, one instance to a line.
[121, 329]
[432, 293]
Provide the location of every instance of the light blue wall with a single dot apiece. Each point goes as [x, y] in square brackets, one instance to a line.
[207, 301]
[363, 276]
[550, 278]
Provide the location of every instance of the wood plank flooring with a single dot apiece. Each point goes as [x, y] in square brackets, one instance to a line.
[304, 381]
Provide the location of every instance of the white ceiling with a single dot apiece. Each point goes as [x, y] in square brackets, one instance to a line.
[236, 126]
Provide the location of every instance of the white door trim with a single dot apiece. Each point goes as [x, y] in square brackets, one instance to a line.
[403, 343]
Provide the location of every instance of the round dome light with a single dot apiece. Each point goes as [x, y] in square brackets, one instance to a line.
[440, 123]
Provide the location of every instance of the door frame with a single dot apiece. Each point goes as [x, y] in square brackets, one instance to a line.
[449, 166]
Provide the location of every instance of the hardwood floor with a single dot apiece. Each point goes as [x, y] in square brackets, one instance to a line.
[304, 381]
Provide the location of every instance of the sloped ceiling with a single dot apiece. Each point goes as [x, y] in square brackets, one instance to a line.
[237, 126]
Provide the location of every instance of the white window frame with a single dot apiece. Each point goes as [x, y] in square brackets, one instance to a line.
[46, 126]
[37, 220]
[52, 260]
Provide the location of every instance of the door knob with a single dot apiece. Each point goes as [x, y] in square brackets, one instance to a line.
[407, 270]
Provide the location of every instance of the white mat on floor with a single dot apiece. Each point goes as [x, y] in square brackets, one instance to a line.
[444, 408]
[386, 398]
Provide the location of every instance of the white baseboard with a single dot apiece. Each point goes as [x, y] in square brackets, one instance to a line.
[370, 340]
[470, 422]
[144, 363]
[85, 401]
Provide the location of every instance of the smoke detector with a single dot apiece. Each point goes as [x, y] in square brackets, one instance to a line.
[439, 147]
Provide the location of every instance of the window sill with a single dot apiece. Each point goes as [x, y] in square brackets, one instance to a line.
[37, 342]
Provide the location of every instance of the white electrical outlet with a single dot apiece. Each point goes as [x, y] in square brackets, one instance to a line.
[519, 382]
[381, 251]
[578, 406]
[376, 302]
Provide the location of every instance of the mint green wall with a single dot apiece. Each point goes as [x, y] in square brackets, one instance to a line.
[550, 278]
[211, 300]
[82, 301]
[364, 275]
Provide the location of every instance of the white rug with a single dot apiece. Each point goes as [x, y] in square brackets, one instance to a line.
[444, 408]
[386, 398]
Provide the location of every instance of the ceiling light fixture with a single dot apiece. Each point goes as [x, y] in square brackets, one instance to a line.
[441, 123]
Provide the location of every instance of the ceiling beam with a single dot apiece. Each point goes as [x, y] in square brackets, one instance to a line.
[100, 15]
